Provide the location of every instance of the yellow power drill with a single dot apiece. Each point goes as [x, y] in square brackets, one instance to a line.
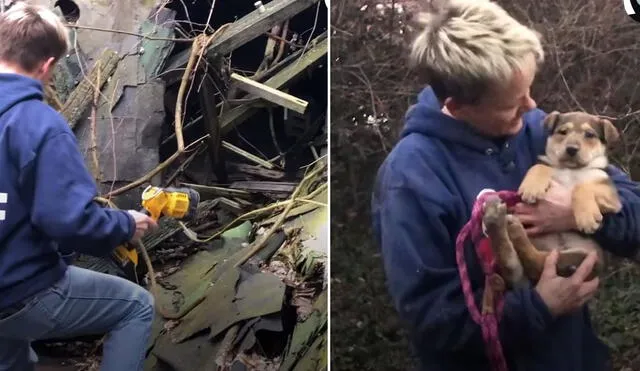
[178, 203]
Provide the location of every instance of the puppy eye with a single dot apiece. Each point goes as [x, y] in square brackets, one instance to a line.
[590, 134]
[562, 131]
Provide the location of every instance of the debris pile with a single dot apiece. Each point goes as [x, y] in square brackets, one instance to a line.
[230, 100]
[259, 305]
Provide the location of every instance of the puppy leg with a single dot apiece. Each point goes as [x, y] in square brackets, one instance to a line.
[495, 222]
[536, 183]
[585, 207]
[533, 259]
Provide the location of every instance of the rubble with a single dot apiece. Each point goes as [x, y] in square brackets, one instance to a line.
[230, 101]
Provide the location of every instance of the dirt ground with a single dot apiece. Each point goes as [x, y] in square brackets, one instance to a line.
[587, 68]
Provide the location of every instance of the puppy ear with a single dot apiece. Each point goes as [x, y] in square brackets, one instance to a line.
[551, 121]
[610, 133]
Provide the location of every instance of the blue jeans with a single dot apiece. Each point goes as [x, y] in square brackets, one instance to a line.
[83, 302]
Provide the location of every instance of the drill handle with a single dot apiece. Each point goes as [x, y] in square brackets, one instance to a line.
[148, 213]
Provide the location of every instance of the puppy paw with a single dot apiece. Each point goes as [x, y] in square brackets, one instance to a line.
[609, 204]
[532, 191]
[588, 221]
[495, 213]
[515, 227]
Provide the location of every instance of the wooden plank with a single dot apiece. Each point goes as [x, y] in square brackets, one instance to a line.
[239, 151]
[288, 74]
[264, 186]
[257, 171]
[241, 32]
[216, 191]
[270, 94]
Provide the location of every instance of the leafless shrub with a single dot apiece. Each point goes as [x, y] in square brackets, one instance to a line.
[592, 57]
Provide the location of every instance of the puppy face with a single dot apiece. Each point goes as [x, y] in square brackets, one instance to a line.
[577, 138]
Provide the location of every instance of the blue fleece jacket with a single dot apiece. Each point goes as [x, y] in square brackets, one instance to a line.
[46, 195]
[423, 196]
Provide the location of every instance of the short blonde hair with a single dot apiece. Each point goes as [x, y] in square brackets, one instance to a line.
[467, 46]
[30, 34]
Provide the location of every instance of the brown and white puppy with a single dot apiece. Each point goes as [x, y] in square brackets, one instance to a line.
[575, 157]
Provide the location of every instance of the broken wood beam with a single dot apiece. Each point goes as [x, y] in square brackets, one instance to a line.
[239, 151]
[264, 186]
[258, 77]
[216, 191]
[270, 94]
[82, 96]
[240, 32]
[257, 171]
[288, 74]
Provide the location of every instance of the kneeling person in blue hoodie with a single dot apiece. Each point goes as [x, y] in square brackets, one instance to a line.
[46, 202]
[476, 127]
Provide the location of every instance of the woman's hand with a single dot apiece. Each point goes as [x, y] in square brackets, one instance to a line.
[548, 215]
[565, 295]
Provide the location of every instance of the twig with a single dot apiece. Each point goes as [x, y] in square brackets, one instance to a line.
[268, 50]
[153, 172]
[94, 137]
[272, 129]
[213, 5]
[283, 42]
[127, 33]
[197, 49]
[113, 136]
[50, 92]
[183, 166]
[315, 24]
[281, 217]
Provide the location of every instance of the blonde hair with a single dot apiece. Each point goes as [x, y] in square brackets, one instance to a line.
[30, 35]
[467, 46]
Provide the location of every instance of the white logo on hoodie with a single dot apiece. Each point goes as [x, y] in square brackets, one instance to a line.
[3, 200]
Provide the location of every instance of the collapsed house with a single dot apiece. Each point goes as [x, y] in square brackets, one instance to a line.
[228, 98]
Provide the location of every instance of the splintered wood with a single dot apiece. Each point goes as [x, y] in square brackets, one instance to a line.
[272, 95]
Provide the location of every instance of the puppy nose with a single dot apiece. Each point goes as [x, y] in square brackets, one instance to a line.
[572, 151]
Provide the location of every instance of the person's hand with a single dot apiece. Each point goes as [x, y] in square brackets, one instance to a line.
[566, 294]
[143, 224]
[551, 214]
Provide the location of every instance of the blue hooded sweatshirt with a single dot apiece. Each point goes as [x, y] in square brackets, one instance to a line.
[423, 195]
[46, 195]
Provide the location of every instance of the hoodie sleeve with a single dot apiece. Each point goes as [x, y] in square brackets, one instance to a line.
[620, 233]
[424, 283]
[63, 205]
